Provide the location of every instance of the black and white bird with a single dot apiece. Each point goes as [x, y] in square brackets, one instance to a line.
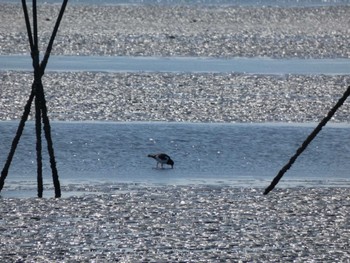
[161, 159]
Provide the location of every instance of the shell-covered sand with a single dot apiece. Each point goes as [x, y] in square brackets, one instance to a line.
[179, 224]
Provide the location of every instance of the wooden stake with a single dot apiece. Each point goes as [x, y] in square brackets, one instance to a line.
[307, 141]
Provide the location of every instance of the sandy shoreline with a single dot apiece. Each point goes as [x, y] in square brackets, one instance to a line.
[179, 224]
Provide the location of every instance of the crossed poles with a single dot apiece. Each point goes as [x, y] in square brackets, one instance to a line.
[37, 92]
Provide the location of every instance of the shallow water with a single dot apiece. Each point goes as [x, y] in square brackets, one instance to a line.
[234, 154]
[182, 64]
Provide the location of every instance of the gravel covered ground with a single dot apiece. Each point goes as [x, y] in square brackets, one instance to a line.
[179, 224]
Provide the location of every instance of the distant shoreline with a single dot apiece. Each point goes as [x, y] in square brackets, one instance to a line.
[220, 3]
[200, 31]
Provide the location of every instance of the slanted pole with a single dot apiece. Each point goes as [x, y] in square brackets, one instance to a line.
[307, 141]
[16, 139]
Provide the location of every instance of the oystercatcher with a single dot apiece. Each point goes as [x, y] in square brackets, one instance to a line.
[161, 159]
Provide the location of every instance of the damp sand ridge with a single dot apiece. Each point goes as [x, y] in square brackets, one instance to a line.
[187, 97]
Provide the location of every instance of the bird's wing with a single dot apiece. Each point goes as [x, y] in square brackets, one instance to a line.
[163, 156]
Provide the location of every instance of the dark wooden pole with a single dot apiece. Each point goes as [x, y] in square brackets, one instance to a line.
[307, 141]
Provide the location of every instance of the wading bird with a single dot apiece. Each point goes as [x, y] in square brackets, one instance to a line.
[161, 159]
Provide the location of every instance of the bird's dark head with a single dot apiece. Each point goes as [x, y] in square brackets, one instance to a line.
[170, 162]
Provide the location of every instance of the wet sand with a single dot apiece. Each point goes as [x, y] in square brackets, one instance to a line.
[179, 224]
